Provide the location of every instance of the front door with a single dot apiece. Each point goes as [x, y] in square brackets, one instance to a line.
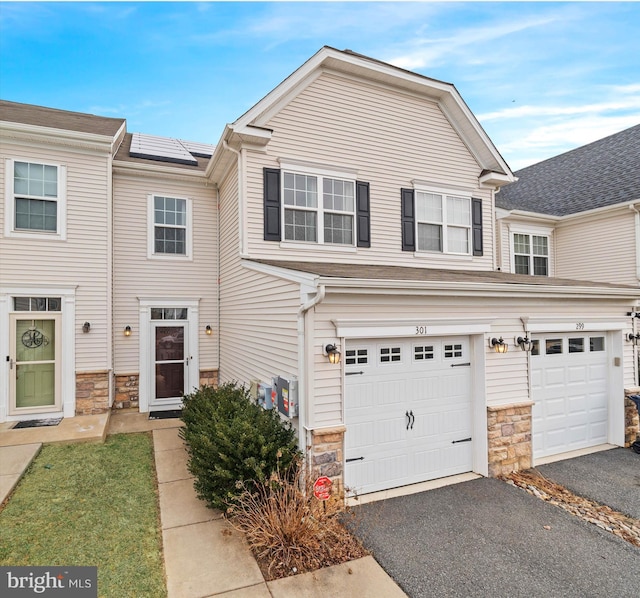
[171, 363]
[34, 363]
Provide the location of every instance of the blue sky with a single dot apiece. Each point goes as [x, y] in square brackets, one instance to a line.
[541, 77]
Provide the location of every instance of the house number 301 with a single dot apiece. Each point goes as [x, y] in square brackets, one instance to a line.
[579, 325]
[421, 330]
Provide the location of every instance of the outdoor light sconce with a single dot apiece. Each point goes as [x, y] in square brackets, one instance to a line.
[499, 346]
[86, 327]
[524, 343]
[331, 351]
[127, 330]
[634, 338]
[208, 330]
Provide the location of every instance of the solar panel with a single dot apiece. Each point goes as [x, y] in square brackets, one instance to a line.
[161, 149]
[202, 150]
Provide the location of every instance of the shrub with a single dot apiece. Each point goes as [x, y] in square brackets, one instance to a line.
[290, 531]
[232, 442]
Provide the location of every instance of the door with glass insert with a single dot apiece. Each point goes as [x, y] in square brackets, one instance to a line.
[171, 361]
[34, 363]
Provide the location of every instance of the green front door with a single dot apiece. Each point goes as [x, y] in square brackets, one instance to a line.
[35, 363]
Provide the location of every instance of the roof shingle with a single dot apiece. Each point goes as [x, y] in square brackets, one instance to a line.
[603, 173]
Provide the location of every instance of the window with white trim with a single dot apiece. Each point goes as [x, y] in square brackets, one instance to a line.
[318, 209]
[170, 226]
[531, 254]
[35, 198]
[443, 223]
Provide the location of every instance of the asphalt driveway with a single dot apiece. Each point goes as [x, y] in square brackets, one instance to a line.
[487, 538]
[611, 478]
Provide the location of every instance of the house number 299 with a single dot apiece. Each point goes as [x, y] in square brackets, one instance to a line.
[421, 330]
[579, 325]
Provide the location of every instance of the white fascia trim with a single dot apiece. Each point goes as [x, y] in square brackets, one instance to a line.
[495, 179]
[92, 141]
[157, 171]
[530, 228]
[415, 327]
[302, 278]
[523, 216]
[485, 289]
[534, 324]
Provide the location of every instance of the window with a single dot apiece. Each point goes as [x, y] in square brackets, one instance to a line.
[357, 356]
[453, 351]
[170, 234]
[318, 209]
[531, 254]
[37, 303]
[423, 352]
[443, 223]
[388, 354]
[35, 199]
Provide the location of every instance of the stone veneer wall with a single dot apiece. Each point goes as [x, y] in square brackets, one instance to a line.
[509, 432]
[631, 418]
[92, 392]
[209, 378]
[127, 391]
[326, 455]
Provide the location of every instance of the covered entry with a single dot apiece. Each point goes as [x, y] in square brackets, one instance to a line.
[407, 411]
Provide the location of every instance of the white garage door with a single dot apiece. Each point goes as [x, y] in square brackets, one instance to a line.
[570, 392]
[407, 411]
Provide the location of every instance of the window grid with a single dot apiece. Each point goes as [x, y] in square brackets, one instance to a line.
[357, 357]
[531, 254]
[169, 313]
[453, 350]
[389, 354]
[443, 223]
[170, 225]
[306, 219]
[35, 189]
[423, 352]
[37, 304]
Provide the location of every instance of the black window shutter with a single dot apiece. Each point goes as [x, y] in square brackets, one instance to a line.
[476, 222]
[272, 204]
[408, 219]
[363, 215]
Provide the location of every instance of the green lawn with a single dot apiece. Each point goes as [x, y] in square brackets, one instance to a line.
[90, 504]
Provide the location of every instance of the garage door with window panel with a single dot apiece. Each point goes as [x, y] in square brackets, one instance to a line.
[407, 411]
[570, 392]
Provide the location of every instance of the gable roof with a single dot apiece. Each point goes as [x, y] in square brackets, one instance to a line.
[52, 118]
[603, 173]
[253, 122]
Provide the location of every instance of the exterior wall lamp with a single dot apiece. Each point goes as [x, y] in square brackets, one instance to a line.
[524, 342]
[86, 327]
[127, 330]
[499, 346]
[331, 351]
[208, 330]
[634, 338]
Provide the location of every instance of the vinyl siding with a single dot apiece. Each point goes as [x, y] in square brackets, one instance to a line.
[136, 276]
[391, 139]
[506, 379]
[258, 313]
[601, 248]
[79, 260]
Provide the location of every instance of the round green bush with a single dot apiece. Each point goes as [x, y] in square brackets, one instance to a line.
[233, 443]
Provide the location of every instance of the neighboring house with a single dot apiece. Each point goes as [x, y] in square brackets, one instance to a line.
[96, 241]
[576, 215]
[353, 207]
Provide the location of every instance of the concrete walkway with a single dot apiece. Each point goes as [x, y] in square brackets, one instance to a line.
[204, 556]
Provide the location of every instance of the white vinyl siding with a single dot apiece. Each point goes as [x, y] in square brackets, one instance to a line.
[167, 277]
[600, 248]
[386, 138]
[258, 313]
[79, 257]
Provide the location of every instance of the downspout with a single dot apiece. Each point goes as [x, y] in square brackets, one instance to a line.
[302, 375]
[241, 228]
[635, 208]
[218, 277]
